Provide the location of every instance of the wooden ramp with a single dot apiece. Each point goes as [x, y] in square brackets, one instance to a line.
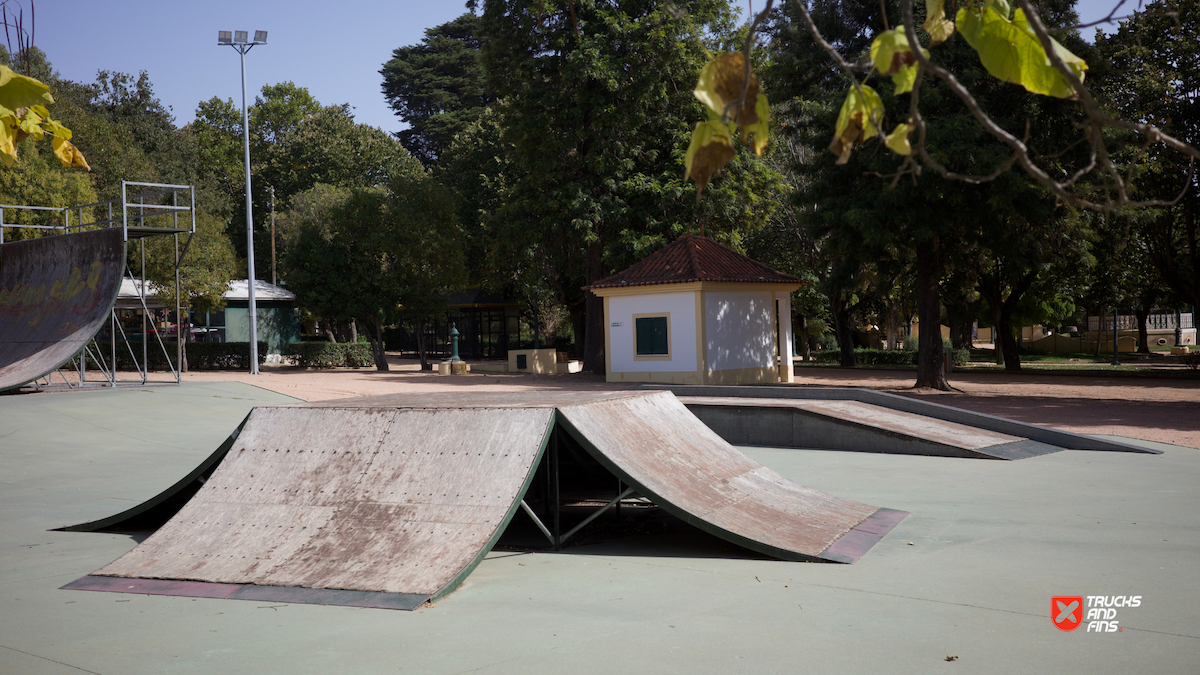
[55, 294]
[854, 426]
[392, 501]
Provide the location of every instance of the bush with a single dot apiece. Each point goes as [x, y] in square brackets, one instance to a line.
[828, 342]
[331, 354]
[887, 357]
[1191, 359]
[200, 355]
[909, 344]
[222, 355]
[358, 355]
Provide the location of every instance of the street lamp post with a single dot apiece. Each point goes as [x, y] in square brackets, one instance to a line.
[238, 40]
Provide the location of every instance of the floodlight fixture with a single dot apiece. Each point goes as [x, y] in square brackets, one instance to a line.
[243, 45]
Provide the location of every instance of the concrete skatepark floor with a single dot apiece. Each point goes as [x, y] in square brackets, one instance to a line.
[991, 543]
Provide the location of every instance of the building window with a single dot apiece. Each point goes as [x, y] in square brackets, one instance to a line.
[651, 335]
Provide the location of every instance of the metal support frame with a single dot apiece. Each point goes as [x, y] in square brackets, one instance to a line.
[144, 225]
[554, 533]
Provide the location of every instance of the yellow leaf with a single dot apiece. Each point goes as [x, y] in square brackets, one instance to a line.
[8, 145]
[898, 139]
[890, 51]
[1011, 52]
[31, 125]
[721, 82]
[55, 127]
[936, 24]
[68, 155]
[893, 56]
[762, 110]
[710, 149]
[18, 91]
[858, 121]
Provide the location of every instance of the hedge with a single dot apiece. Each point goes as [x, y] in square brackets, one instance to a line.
[332, 354]
[200, 355]
[886, 357]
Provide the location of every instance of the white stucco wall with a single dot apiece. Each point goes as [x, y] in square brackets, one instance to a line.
[738, 327]
[681, 335]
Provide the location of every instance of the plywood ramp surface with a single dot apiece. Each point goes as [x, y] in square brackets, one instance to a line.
[878, 417]
[369, 499]
[55, 293]
[655, 443]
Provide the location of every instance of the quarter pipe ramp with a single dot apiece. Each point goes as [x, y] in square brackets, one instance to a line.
[55, 293]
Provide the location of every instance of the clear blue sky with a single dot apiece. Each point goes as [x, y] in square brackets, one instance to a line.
[333, 49]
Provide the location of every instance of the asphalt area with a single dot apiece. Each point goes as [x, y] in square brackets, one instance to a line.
[970, 576]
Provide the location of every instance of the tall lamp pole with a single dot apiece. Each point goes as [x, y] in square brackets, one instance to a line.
[238, 40]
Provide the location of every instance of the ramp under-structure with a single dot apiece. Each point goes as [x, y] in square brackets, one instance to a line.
[55, 294]
[863, 420]
[392, 501]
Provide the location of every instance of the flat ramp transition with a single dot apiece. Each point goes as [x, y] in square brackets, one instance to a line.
[55, 294]
[392, 501]
[854, 426]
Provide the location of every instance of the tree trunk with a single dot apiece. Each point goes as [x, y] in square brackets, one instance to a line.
[889, 327]
[930, 352]
[420, 327]
[1008, 342]
[593, 340]
[802, 335]
[840, 310]
[353, 331]
[376, 340]
[1143, 313]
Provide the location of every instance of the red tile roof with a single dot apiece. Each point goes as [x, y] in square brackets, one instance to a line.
[692, 258]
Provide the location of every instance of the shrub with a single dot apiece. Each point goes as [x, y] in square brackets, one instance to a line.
[358, 355]
[222, 355]
[200, 355]
[331, 354]
[1191, 359]
[828, 342]
[887, 357]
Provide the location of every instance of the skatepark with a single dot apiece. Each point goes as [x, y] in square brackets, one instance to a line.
[769, 530]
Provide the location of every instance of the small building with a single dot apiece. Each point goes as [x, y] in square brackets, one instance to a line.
[697, 312]
[277, 312]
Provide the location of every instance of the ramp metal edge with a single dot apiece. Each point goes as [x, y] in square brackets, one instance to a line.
[512, 511]
[687, 517]
[218, 591]
[1034, 432]
[197, 475]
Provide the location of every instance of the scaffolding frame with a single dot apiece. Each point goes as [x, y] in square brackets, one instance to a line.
[140, 204]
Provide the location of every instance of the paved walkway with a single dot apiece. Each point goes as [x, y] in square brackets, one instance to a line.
[970, 574]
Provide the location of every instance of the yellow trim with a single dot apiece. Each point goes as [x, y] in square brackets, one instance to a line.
[650, 315]
[695, 286]
[607, 342]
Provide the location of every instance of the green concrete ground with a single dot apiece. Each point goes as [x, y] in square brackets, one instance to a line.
[969, 574]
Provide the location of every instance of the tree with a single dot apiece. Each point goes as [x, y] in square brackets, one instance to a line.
[369, 254]
[595, 108]
[437, 87]
[1156, 78]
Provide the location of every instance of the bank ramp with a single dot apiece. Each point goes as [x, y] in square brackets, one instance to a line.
[55, 294]
[392, 501]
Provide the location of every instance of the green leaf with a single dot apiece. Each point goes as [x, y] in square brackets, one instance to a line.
[55, 127]
[18, 91]
[1011, 52]
[858, 121]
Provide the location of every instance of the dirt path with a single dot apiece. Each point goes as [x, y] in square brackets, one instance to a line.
[1163, 410]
